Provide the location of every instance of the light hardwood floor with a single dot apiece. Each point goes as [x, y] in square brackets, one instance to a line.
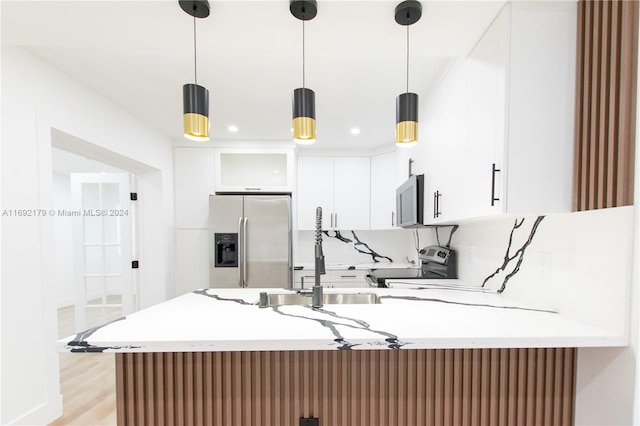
[87, 381]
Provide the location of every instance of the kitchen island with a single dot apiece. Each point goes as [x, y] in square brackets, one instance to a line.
[430, 317]
[433, 355]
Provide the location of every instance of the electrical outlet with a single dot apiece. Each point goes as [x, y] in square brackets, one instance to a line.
[544, 265]
[471, 254]
[310, 421]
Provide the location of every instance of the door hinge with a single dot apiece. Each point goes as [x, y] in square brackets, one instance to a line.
[133, 196]
[135, 264]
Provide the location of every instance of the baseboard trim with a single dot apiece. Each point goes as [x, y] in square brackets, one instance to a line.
[43, 414]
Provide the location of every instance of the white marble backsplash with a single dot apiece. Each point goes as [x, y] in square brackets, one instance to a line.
[389, 244]
[578, 263]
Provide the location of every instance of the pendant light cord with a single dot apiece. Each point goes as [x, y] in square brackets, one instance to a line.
[303, 52]
[195, 51]
[407, 58]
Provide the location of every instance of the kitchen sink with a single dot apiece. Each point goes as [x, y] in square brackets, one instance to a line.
[277, 299]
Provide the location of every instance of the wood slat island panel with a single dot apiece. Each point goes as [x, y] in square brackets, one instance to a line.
[605, 104]
[348, 387]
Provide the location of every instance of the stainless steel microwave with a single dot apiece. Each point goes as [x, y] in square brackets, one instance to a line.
[410, 202]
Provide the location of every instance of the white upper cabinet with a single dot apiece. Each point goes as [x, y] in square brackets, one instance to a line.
[383, 191]
[537, 176]
[193, 182]
[254, 170]
[497, 133]
[340, 185]
[351, 192]
[315, 189]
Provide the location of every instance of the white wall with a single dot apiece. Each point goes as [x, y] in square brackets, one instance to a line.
[63, 247]
[36, 101]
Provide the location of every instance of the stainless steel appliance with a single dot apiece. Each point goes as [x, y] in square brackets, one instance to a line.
[250, 241]
[436, 262]
[410, 202]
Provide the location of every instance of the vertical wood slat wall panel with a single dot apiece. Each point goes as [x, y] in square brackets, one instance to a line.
[605, 103]
[404, 387]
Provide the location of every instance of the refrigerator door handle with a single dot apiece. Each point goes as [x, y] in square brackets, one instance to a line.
[244, 257]
[241, 255]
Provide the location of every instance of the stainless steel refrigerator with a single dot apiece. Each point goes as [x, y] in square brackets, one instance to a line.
[250, 241]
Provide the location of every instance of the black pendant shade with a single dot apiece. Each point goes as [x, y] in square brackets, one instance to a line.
[406, 107]
[304, 100]
[407, 119]
[304, 116]
[304, 103]
[407, 13]
[195, 100]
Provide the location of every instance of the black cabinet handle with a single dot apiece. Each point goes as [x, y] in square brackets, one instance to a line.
[436, 204]
[493, 184]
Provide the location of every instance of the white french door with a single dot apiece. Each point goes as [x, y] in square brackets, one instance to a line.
[103, 236]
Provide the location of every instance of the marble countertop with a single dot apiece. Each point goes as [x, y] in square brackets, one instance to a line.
[437, 315]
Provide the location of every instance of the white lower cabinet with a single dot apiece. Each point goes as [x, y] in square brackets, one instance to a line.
[334, 278]
[306, 278]
[348, 278]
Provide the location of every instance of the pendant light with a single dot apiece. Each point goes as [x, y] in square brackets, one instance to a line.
[195, 98]
[407, 13]
[304, 99]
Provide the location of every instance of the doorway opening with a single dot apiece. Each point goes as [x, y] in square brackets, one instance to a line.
[95, 240]
[94, 237]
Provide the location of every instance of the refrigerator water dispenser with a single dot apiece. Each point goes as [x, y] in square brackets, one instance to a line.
[226, 255]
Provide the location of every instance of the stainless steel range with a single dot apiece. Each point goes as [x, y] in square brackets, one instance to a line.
[436, 262]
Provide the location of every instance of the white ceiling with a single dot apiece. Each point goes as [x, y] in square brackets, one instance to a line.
[140, 53]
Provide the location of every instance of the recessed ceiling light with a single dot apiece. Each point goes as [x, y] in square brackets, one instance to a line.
[355, 131]
[232, 128]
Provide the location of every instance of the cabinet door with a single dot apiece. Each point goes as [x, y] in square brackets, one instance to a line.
[348, 278]
[541, 104]
[383, 191]
[351, 192]
[315, 189]
[450, 199]
[306, 278]
[486, 73]
[193, 182]
[445, 132]
[254, 170]
[465, 132]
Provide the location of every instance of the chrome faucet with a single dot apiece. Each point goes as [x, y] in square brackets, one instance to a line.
[316, 290]
[316, 298]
